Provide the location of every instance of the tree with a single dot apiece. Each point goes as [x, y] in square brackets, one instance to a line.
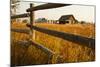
[39, 20]
[14, 6]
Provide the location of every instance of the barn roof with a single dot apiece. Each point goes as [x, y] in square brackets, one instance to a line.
[66, 17]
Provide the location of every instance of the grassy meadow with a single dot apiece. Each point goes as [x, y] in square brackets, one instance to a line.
[68, 51]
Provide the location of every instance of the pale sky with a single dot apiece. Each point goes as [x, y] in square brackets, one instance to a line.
[80, 12]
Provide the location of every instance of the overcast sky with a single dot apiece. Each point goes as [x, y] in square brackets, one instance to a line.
[80, 12]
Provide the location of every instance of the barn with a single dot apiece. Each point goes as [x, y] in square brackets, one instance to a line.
[67, 19]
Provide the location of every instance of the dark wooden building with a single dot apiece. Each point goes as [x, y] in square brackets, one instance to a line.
[67, 19]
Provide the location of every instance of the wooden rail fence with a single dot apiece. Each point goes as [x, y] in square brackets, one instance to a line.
[89, 42]
[20, 16]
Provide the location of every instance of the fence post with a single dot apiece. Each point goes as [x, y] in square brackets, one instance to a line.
[32, 33]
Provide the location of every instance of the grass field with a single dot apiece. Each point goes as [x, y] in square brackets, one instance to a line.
[69, 51]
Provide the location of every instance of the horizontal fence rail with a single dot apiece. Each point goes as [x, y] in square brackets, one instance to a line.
[46, 6]
[66, 36]
[40, 46]
[26, 31]
[37, 45]
[20, 16]
[49, 52]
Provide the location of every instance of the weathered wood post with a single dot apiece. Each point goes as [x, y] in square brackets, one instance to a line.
[32, 33]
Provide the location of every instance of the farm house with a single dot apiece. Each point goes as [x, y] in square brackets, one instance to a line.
[67, 19]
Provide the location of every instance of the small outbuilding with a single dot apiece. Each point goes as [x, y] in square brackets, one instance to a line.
[67, 19]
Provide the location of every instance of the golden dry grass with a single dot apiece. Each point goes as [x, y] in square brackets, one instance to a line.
[69, 51]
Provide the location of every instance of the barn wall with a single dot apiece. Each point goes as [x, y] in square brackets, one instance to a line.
[73, 20]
